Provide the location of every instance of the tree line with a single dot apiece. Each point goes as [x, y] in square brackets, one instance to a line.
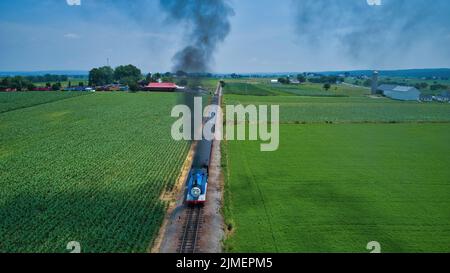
[327, 81]
[21, 83]
[18, 83]
[124, 74]
[48, 78]
[132, 76]
[129, 75]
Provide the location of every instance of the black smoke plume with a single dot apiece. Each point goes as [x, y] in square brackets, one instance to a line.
[208, 24]
[397, 31]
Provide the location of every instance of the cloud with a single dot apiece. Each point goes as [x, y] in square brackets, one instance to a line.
[72, 36]
[396, 32]
[73, 2]
[167, 37]
[374, 2]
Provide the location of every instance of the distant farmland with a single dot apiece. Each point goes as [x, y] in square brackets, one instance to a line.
[262, 88]
[89, 169]
[378, 173]
[299, 109]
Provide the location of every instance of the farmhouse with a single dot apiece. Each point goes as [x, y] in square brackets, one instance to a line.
[426, 98]
[442, 98]
[397, 92]
[161, 87]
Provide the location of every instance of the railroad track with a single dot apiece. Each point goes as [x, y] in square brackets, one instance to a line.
[191, 230]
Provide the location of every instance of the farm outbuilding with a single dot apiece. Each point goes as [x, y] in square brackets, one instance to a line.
[397, 92]
[161, 87]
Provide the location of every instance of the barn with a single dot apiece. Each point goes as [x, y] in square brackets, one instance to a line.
[161, 87]
[398, 92]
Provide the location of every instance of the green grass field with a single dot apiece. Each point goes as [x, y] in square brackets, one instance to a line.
[299, 109]
[378, 173]
[244, 88]
[261, 87]
[16, 100]
[334, 188]
[89, 169]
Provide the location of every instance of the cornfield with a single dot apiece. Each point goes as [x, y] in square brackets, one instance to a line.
[90, 169]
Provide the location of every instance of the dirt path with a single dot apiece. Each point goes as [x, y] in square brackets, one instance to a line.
[213, 227]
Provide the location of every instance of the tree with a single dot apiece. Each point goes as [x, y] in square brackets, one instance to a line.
[422, 85]
[56, 86]
[148, 78]
[126, 72]
[17, 83]
[436, 87]
[327, 86]
[181, 74]
[301, 78]
[81, 84]
[167, 79]
[284, 80]
[30, 86]
[156, 77]
[132, 83]
[101, 76]
[134, 87]
[182, 82]
[367, 83]
[4, 84]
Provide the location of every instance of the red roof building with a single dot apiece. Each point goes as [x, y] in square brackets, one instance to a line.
[161, 87]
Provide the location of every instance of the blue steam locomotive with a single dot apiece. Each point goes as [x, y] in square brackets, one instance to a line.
[197, 186]
[197, 183]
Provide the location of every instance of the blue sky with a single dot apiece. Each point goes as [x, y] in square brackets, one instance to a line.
[266, 35]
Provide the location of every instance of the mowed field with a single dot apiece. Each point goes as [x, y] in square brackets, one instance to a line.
[89, 169]
[349, 170]
[299, 109]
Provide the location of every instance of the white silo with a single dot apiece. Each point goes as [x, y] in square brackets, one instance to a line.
[375, 82]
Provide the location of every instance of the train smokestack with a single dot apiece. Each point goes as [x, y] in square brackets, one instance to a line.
[375, 82]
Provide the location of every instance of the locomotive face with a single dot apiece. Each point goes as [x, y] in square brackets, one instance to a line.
[195, 192]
